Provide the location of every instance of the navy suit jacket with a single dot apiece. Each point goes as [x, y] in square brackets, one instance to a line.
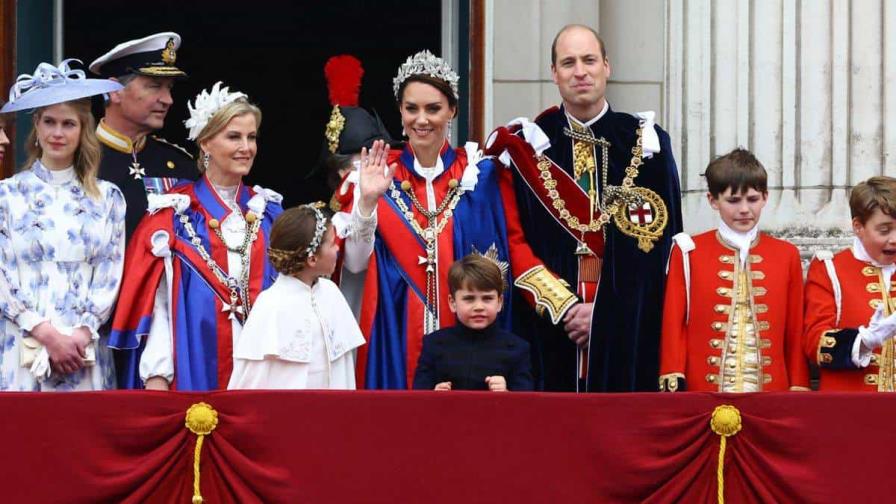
[465, 357]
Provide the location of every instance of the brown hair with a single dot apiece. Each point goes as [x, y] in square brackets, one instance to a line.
[439, 84]
[291, 234]
[474, 271]
[738, 170]
[87, 155]
[603, 48]
[876, 192]
[221, 118]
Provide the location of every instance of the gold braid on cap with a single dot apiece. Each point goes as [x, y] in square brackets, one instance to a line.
[290, 262]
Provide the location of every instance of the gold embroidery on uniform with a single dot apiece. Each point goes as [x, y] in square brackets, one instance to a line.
[169, 55]
[741, 355]
[549, 292]
[160, 71]
[885, 376]
[669, 382]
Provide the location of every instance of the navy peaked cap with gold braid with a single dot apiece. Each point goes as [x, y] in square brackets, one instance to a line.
[153, 56]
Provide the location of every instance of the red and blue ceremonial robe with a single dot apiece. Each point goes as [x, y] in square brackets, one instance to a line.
[394, 300]
[201, 329]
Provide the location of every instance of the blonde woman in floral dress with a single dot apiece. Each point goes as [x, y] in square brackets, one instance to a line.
[61, 241]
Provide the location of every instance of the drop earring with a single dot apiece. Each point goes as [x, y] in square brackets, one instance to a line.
[205, 158]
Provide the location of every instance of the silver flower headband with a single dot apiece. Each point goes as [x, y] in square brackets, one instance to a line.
[319, 230]
[425, 63]
[206, 104]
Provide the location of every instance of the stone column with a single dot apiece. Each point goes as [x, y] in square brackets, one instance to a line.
[806, 85]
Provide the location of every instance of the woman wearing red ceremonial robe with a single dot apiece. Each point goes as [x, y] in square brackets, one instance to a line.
[198, 259]
[443, 203]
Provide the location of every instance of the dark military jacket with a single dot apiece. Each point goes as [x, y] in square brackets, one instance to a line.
[152, 165]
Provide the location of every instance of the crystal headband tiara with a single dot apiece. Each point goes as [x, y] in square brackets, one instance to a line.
[425, 63]
[319, 230]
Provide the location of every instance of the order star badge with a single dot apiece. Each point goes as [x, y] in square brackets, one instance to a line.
[136, 170]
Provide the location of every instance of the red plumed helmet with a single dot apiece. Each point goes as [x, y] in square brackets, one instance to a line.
[343, 75]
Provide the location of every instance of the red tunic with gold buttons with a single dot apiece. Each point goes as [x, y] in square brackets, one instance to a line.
[829, 341]
[740, 331]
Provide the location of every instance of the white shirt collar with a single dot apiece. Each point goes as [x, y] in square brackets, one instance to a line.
[429, 173]
[55, 177]
[740, 240]
[859, 252]
[591, 121]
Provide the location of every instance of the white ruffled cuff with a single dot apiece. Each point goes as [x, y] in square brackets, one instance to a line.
[92, 323]
[363, 228]
[29, 319]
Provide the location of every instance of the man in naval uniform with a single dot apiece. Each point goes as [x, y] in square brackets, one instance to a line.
[599, 201]
[134, 159]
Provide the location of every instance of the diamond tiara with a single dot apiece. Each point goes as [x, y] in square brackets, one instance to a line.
[425, 63]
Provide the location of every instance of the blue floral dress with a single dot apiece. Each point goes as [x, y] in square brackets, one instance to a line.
[61, 256]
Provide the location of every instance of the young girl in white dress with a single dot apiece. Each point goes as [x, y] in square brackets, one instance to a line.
[301, 332]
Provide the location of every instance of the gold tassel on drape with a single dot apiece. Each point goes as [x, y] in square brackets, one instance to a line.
[201, 420]
[725, 422]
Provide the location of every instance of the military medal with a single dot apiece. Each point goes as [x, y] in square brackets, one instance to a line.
[136, 170]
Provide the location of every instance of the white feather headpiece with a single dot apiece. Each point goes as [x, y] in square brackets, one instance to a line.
[425, 63]
[206, 104]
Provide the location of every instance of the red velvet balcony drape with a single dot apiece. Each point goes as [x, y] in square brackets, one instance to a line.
[445, 447]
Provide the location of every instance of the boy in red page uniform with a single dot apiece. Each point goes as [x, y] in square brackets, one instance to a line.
[732, 320]
[849, 297]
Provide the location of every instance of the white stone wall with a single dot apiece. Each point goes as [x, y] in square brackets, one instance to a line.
[521, 49]
[806, 85]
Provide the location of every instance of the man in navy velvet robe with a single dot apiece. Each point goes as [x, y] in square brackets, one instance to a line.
[611, 342]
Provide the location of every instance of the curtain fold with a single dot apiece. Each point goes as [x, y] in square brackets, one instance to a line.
[281, 446]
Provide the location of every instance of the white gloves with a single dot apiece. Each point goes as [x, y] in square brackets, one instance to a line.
[879, 329]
